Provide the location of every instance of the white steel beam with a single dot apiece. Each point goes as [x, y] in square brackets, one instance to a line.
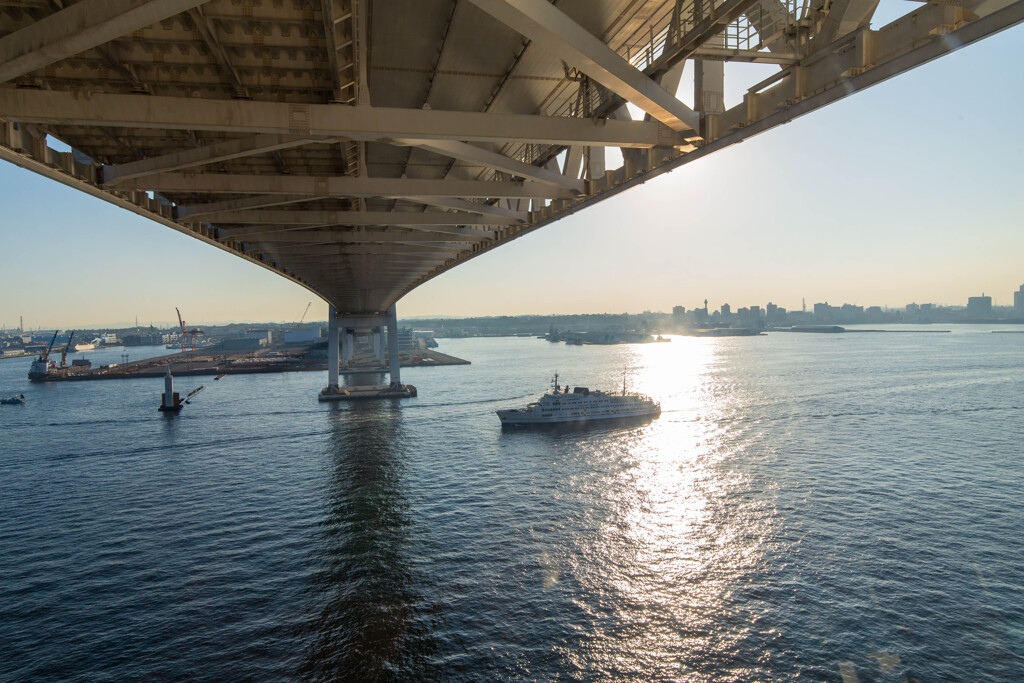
[772, 20]
[726, 54]
[345, 249]
[341, 186]
[324, 120]
[473, 154]
[209, 35]
[211, 154]
[80, 27]
[543, 23]
[453, 232]
[398, 218]
[330, 22]
[361, 34]
[843, 17]
[326, 235]
[255, 202]
[463, 205]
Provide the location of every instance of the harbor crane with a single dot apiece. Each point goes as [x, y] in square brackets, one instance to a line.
[42, 365]
[46, 355]
[64, 353]
[186, 333]
[298, 325]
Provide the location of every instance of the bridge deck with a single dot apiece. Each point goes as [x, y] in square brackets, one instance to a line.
[362, 147]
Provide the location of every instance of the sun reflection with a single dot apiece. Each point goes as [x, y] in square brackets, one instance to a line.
[678, 528]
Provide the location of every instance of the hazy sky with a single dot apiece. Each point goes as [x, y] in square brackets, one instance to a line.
[911, 191]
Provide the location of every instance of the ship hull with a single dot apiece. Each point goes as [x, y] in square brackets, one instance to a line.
[577, 423]
[520, 418]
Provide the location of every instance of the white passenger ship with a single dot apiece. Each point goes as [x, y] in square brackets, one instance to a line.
[560, 406]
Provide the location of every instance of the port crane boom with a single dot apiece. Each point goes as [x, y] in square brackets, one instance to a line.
[298, 325]
[64, 353]
[46, 356]
[186, 333]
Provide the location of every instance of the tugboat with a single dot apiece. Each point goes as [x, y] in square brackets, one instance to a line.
[560, 406]
[13, 400]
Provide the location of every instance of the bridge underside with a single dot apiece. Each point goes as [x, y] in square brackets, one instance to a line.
[362, 147]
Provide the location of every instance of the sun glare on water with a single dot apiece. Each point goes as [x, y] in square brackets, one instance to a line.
[678, 531]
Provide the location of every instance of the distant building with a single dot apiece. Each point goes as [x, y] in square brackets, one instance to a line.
[262, 335]
[1018, 302]
[979, 306]
[824, 311]
[142, 339]
[406, 340]
[238, 345]
[309, 334]
[726, 310]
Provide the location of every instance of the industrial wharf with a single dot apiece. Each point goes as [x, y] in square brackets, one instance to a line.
[200, 364]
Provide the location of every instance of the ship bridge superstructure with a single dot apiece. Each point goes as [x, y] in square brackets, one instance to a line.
[362, 147]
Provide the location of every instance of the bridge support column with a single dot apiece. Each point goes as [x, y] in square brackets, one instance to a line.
[341, 346]
[342, 343]
[332, 351]
[395, 366]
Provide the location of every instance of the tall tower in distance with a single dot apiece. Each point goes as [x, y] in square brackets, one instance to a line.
[1018, 302]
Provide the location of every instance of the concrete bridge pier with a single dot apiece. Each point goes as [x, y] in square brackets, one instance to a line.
[332, 351]
[350, 343]
[378, 346]
[393, 360]
[338, 353]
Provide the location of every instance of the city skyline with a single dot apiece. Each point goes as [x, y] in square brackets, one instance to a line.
[906, 192]
[713, 306]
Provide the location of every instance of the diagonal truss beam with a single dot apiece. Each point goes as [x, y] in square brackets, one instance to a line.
[543, 23]
[397, 218]
[255, 202]
[78, 28]
[341, 186]
[209, 35]
[326, 120]
[473, 154]
[347, 249]
[463, 205]
[330, 22]
[327, 235]
[705, 29]
[211, 154]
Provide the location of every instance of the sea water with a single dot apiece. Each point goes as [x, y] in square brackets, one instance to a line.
[827, 507]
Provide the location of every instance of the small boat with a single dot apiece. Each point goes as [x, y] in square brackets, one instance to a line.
[561, 407]
[13, 400]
